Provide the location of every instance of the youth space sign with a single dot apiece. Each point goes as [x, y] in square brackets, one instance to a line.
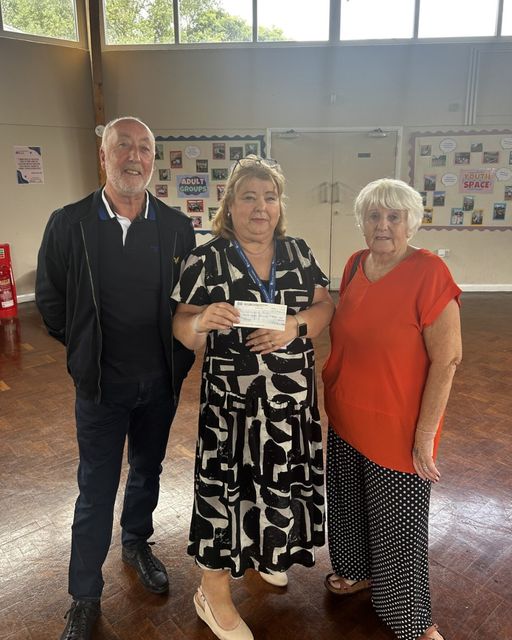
[192, 186]
[477, 180]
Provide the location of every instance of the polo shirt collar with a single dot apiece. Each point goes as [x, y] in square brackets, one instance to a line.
[112, 213]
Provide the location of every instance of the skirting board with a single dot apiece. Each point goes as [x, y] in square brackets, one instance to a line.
[486, 287]
[335, 285]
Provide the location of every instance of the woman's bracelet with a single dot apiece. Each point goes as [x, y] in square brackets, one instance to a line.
[432, 433]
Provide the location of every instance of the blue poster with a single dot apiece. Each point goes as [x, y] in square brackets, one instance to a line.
[195, 186]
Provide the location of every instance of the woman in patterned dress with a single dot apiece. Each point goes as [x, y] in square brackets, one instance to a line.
[259, 472]
[395, 346]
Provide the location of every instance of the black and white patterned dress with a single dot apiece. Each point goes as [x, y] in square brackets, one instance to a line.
[259, 499]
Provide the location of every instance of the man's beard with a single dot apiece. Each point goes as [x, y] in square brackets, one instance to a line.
[125, 184]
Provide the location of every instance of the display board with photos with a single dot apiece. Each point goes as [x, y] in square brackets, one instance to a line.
[191, 171]
[465, 178]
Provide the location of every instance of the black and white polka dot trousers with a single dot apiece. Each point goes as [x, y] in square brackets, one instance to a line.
[378, 528]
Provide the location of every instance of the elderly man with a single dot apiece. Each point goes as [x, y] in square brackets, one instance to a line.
[106, 267]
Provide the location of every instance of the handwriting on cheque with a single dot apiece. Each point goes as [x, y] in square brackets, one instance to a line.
[261, 315]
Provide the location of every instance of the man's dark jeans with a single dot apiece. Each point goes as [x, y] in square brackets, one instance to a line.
[142, 412]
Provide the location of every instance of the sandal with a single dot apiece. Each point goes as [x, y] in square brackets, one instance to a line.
[425, 636]
[346, 589]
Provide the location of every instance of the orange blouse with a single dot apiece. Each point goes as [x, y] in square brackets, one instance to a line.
[378, 365]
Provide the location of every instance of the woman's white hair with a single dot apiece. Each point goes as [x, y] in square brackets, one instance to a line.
[389, 193]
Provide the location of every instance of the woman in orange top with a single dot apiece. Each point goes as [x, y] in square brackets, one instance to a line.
[395, 346]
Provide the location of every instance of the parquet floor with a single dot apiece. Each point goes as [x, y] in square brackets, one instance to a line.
[471, 520]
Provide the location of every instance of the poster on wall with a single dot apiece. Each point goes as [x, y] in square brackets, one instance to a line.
[192, 185]
[464, 178]
[29, 165]
[191, 171]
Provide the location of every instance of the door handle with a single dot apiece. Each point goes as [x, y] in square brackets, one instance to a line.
[324, 193]
[335, 192]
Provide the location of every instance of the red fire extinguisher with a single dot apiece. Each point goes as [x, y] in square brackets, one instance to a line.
[8, 301]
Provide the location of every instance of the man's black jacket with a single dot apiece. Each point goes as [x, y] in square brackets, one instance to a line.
[67, 287]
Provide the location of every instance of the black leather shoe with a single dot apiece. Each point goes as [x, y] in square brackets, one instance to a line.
[81, 618]
[150, 570]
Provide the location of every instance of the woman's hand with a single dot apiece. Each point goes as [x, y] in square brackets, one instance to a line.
[422, 457]
[265, 341]
[218, 315]
[317, 317]
[192, 323]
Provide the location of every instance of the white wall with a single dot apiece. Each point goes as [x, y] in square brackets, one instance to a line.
[47, 101]
[290, 87]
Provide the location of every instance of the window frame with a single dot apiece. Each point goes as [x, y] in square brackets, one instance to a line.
[334, 35]
[80, 43]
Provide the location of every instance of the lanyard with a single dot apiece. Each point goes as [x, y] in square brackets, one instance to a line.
[270, 294]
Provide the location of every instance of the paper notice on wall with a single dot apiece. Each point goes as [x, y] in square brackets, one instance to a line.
[29, 165]
[477, 180]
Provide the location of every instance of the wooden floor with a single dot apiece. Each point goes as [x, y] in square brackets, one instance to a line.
[471, 519]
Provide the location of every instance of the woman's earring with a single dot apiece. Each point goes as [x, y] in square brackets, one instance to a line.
[229, 214]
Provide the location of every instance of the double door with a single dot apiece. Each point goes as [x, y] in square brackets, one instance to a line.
[324, 173]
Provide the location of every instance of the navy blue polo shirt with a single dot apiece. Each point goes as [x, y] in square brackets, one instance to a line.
[130, 297]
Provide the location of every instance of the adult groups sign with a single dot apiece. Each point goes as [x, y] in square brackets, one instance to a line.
[477, 180]
[192, 186]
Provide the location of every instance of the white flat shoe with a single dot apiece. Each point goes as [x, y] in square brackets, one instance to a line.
[240, 632]
[276, 578]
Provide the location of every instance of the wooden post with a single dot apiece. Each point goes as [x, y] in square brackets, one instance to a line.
[94, 40]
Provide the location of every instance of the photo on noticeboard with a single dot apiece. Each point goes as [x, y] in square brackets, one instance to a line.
[428, 215]
[439, 161]
[236, 153]
[251, 148]
[477, 216]
[202, 166]
[429, 183]
[220, 174]
[219, 150]
[463, 157]
[195, 206]
[439, 198]
[457, 216]
[176, 158]
[491, 157]
[468, 203]
[161, 190]
[498, 210]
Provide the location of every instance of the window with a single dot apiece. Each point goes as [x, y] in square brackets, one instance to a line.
[293, 20]
[170, 22]
[457, 18]
[376, 20]
[139, 21]
[215, 21]
[51, 19]
[506, 25]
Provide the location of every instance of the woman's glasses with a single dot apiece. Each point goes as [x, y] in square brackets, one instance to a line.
[251, 161]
